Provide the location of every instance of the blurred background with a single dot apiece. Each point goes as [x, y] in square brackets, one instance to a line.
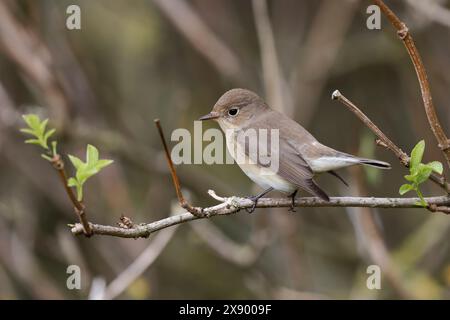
[133, 61]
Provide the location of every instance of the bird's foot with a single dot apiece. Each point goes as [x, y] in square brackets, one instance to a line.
[292, 207]
[256, 198]
[255, 202]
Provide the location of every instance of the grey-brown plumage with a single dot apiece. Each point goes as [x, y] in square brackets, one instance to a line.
[301, 156]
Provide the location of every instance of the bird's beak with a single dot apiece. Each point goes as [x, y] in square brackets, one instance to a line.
[209, 116]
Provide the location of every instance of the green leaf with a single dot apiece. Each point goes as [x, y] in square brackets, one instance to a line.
[84, 174]
[42, 125]
[26, 130]
[423, 173]
[33, 141]
[91, 154]
[37, 129]
[409, 178]
[77, 163]
[436, 166]
[405, 188]
[85, 170]
[48, 134]
[32, 121]
[417, 154]
[72, 182]
[103, 163]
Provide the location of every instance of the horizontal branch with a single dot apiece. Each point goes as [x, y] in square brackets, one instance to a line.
[232, 205]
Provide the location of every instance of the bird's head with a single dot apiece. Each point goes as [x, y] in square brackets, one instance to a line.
[235, 108]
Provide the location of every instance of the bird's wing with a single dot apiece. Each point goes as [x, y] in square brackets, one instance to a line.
[291, 165]
[296, 170]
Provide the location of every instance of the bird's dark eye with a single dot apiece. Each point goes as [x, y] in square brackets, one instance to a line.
[233, 111]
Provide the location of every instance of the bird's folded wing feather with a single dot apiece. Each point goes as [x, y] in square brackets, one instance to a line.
[291, 165]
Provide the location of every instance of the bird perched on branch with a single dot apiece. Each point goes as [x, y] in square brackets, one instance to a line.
[299, 155]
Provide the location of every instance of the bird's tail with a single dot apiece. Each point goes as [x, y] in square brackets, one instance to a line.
[374, 163]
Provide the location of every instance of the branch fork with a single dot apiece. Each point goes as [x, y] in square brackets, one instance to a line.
[79, 207]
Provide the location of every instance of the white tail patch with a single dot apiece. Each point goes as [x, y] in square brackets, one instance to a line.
[324, 164]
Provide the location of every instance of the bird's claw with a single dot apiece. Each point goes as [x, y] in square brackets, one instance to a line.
[292, 207]
[253, 207]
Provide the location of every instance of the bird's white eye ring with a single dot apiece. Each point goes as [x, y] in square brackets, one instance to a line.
[233, 112]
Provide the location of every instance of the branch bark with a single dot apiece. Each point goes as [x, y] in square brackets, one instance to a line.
[78, 206]
[233, 205]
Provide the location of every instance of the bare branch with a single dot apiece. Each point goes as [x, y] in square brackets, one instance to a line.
[400, 154]
[79, 207]
[383, 140]
[183, 203]
[433, 120]
[234, 204]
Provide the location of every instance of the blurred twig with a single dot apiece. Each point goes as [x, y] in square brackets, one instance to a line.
[433, 10]
[320, 49]
[274, 83]
[372, 241]
[25, 48]
[405, 36]
[242, 255]
[138, 266]
[187, 21]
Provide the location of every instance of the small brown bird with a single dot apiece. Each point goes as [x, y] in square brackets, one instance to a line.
[300, 157]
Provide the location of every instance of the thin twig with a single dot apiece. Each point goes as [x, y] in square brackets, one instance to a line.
[310, 74]
[370, 237]
[242, 255]
[234, 204]
[383, 140]
[79, 207]
[400, 154]
[23, 46]
[433, 120]
[189, 24]
[273, 79]
[433, 10]
[183, 203]
[139, 265]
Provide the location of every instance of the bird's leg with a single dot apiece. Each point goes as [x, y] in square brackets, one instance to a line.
[256, 198]
[292, 196]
